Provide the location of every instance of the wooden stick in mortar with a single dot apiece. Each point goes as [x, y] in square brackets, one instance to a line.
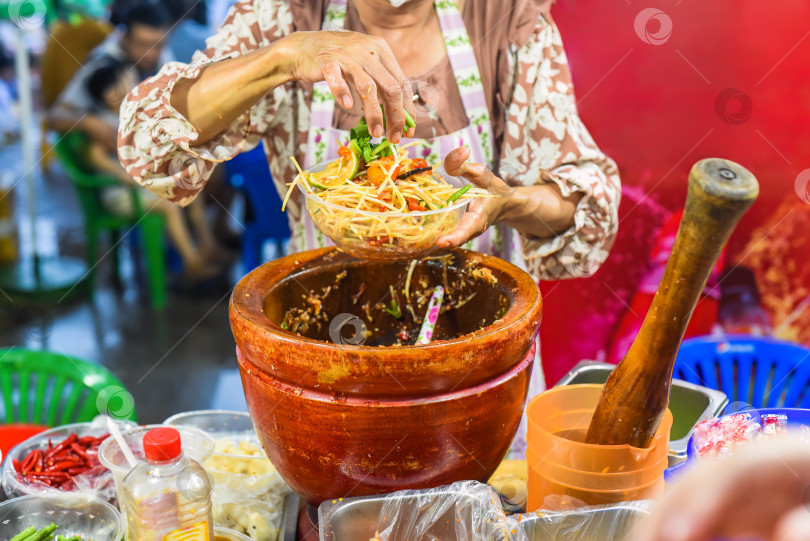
[637, 392]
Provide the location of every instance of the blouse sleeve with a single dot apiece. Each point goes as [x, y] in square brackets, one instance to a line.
[156, 143]
[545, 134]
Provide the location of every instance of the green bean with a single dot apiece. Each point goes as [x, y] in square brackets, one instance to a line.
[458, 194]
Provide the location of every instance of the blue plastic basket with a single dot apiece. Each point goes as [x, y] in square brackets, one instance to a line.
[795, 417]
[752, 372]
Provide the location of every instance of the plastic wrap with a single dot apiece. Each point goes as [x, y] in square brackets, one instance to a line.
[96, 482]
[613, 522]
[248, 493]
[463, 511]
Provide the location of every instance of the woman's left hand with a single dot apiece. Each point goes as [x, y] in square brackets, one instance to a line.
[539, 211]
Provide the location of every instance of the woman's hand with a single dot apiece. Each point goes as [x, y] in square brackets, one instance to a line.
[364, 62]
[226, 89]
[761, 492]
[538, 211]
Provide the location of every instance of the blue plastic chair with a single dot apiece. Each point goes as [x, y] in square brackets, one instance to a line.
[250, 173]
[760, 372]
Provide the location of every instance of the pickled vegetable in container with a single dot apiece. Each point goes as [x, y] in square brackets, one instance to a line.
[168, 496]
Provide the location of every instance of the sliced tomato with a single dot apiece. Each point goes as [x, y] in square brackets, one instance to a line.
[378, 241]
[415, 206]
[418, 163]
[344, 152]
[375, 174]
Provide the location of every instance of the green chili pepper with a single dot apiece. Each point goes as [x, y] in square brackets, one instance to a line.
[285, 324]
[393, 306]
[458, 194]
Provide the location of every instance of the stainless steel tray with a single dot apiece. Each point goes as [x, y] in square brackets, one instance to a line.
[689, 403]
[355, 519]
[608, 523]
[289, 519]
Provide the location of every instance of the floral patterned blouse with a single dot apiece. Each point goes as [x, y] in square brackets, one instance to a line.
[539, 137]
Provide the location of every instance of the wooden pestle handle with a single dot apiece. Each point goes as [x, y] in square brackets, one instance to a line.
[636, 394]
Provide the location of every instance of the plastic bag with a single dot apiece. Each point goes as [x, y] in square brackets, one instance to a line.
[248, 493]
[96, 481]
[612, 522]
[463, 511]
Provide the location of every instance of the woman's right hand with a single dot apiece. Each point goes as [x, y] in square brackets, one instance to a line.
[366, 63]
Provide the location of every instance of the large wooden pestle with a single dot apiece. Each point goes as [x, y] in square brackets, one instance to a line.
[637, 392]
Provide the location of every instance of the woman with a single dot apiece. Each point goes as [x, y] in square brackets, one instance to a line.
[486, 80]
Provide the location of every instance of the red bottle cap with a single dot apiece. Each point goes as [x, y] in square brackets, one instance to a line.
[162, 444]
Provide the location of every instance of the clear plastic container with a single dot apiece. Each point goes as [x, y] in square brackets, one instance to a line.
[249, 492]
[167, 497]
[97, 482]
[337, 222]
[196, 444]
[564, 472]
[224, 534]
[74, 514]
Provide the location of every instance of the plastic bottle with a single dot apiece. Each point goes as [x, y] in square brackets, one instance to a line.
[167, 497]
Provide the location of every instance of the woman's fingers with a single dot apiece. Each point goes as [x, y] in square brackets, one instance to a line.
[454, 161]
[456, 166]
[473, 223]
[390, 63]
[390, 93]
[367, 89]
[337, 84]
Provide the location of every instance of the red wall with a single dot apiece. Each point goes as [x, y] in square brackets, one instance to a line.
[656, 115]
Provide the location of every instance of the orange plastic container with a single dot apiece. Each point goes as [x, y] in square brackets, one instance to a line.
[562, 469]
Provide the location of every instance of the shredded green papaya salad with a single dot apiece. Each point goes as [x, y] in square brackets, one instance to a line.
[375, 191]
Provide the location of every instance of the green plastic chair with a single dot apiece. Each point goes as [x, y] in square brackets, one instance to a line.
[71, 151]
[52, 389]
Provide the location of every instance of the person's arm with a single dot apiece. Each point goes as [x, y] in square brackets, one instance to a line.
[176, 126]
[99, 157]
[558, 190]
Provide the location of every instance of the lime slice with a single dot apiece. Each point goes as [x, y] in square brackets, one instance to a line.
[336, 173]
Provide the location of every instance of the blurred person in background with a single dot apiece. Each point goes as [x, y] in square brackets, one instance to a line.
[762, 491]
[107, 85]
[140, 44]
[190, 28]
[9, 119]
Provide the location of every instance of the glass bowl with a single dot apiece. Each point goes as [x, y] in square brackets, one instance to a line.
[97, 482]
[338, 223]
[74, 514]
